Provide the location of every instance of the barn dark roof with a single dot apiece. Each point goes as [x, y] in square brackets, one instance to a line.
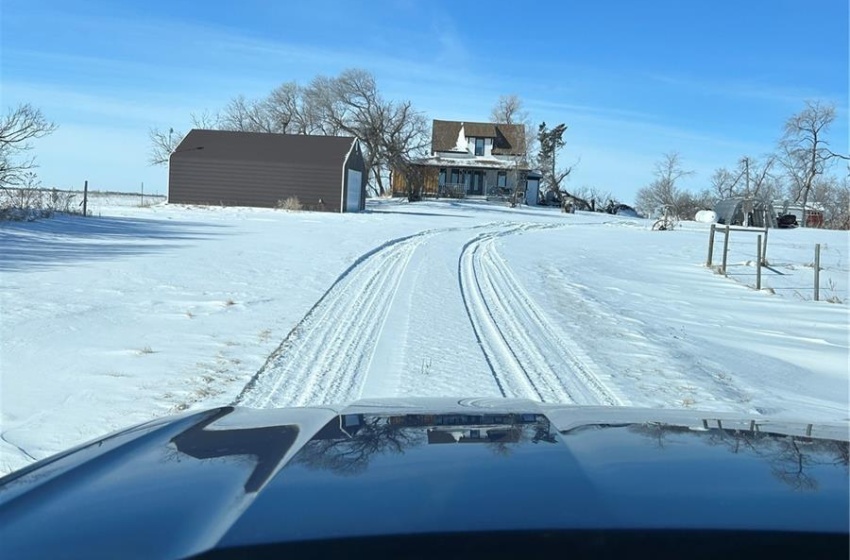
[262, 146]
[509, 139]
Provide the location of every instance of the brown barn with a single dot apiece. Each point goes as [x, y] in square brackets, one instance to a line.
[219, 167]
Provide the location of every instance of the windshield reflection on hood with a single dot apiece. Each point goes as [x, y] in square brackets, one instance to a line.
[348, 443]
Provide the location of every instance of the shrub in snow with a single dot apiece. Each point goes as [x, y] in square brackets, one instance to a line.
[30, 203]
[291, 203]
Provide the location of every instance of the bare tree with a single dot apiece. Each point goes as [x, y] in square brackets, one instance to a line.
[752, 178]
[206, 120]
[724, 183]
[352, 104]
[805, 150]
[689, 203]
[664, 189]
[405, 135]
[349, 104]
[509, 110]
[244, 115]
[18, 128]
[163, 143]
[289, 108]
[759, 179]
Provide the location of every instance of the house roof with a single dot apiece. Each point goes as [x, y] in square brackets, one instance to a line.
[302, 149]
[509, 139]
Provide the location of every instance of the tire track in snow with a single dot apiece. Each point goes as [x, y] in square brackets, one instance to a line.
[325, 357]
[528, 355]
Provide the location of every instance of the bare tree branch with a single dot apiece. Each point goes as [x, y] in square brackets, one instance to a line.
[18, 127]
[163, 143]
[510, 109]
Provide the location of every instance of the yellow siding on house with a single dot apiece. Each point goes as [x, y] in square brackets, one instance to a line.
[428, 176]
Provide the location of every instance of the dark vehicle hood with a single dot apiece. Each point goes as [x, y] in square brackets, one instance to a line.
[234, 477]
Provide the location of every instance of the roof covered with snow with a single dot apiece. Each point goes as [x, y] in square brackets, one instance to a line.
[480, 162]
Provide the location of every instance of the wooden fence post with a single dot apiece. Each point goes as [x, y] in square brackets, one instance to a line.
[758, 262]
[85, 197]
[725, 249]
[817, 272]
[710, 245]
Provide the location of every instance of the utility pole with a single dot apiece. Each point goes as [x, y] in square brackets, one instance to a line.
[747, 171]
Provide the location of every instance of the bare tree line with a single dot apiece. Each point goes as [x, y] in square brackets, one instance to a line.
[799, 171]
[391, 132]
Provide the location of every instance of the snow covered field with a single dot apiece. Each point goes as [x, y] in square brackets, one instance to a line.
[140, 312]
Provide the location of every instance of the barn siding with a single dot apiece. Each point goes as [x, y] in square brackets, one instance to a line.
[252, 183]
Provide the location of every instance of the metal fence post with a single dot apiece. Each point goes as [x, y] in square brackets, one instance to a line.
[85, 198]
[764, 247]
[758, 262]
[725, 248]
[817, 271]
[710, 245]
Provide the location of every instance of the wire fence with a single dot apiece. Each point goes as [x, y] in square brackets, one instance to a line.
[796, 269]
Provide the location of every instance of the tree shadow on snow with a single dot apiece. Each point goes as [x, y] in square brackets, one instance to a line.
[66, 239]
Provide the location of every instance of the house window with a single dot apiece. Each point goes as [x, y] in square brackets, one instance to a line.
[479, 146]
[502, 179]
[442, 176]
[455, 178]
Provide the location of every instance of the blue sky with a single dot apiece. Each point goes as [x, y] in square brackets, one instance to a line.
[711, 79]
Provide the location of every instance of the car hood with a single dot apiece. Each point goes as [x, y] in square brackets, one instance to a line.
[235, 477]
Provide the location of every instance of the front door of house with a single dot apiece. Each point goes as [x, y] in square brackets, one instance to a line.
[475, 184]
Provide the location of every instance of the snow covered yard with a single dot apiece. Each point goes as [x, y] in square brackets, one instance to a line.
[140, 312]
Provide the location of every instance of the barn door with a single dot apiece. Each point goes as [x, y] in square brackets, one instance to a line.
[355, 188]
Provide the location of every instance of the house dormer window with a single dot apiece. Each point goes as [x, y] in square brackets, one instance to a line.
[479, 146]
